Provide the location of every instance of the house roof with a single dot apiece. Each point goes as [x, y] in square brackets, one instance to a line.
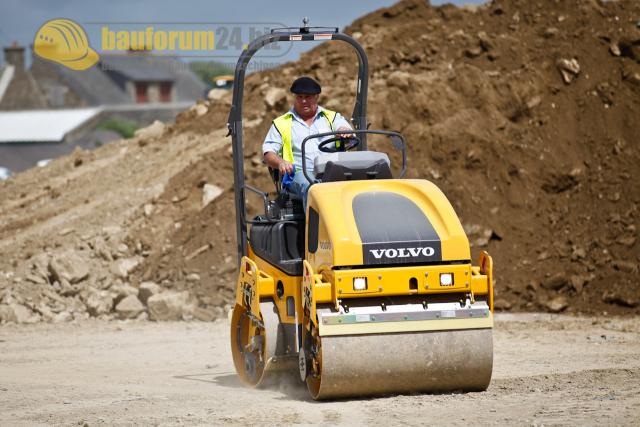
[42, 125]
[48, 84]
[92, 85]
[22, 92]
[151, 67]
[95, 87]
[139, 67]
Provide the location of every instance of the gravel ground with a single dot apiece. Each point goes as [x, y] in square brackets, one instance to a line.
[548, 370]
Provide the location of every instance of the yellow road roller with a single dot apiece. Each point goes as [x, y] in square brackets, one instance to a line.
[370, 289]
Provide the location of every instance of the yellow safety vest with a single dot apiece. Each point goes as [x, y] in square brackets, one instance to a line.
[283, 125]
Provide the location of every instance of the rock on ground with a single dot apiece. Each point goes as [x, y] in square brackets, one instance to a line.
[68, 267]
[147, 290]
[16, 313]
[170, 306]
[98, 302]
[120, 291]
[210, 192]
[557, 304]
[200, 109]
[122, 267]
[275, 96]
[217, 94]
[154, 130]
[129, 308]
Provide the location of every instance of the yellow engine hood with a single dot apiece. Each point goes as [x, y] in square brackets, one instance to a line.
[382, 222]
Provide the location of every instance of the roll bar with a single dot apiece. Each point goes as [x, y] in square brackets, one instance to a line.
[234, 122]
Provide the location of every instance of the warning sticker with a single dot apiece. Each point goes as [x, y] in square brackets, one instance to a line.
[295, 37]
[322, 36]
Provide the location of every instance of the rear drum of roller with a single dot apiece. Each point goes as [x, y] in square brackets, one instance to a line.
[256, 370]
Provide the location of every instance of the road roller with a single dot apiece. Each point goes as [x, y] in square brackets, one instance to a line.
[369, 289]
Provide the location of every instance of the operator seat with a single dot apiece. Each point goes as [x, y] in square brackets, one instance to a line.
[279, 237]
[351, 166]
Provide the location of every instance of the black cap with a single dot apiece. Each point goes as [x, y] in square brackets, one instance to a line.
[306, 86]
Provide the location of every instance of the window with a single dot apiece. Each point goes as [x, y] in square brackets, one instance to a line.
[141, 92]
[165, 92]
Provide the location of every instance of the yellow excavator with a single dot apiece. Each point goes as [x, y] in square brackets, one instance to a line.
[370, 290]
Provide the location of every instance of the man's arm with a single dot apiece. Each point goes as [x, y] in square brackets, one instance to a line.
[270, 148]
[275, 162]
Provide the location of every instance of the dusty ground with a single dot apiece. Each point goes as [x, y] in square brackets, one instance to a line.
[540, 163]
[548, 370]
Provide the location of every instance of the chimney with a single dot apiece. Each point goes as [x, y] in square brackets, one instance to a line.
[14, 55]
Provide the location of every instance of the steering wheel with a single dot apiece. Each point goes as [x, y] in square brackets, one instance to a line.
[347, 143]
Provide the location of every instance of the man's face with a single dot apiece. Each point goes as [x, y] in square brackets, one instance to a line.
[305, 105]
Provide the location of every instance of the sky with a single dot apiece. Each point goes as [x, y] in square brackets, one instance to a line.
[20, 19]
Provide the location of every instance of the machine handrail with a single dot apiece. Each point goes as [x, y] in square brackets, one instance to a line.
[234, 122]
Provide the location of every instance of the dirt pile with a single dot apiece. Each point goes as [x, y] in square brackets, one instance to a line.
[524, 113]
[77, 234]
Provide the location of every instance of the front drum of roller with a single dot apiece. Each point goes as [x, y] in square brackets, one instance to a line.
[375, 364]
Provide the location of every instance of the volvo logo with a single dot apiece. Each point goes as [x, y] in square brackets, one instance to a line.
[402, 252]
[325, 246]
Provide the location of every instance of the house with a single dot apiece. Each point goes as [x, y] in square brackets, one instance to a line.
[117, 79]
[32, 137]
[18, 88]
[153, 78]
[47, 110]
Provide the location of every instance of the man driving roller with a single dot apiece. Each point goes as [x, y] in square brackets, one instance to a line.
[282, 148]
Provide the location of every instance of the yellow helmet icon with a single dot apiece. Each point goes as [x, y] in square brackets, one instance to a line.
[65, 42]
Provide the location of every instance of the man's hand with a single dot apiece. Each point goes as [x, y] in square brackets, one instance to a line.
[276, 162]
[285, 168]
[345, 135]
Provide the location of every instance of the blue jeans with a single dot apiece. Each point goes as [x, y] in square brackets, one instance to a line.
[299, 187]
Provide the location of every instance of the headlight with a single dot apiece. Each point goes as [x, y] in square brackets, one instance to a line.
[359, 283]
[446, 279]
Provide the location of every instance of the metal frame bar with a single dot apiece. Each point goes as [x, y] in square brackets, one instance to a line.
[265, 197]
[234, 122]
